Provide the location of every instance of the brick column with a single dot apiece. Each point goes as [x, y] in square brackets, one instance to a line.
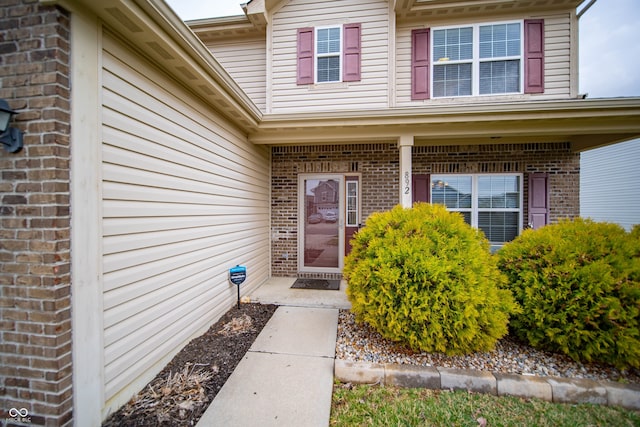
[35, 325]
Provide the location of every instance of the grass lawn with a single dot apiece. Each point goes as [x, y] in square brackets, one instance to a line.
[364, 405]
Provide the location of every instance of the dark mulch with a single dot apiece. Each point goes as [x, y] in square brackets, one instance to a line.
[182, 391]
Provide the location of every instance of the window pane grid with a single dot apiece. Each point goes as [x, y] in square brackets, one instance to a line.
[328, 50]
[499, 226]
[477, 60]
[452, 80]
[499, 41]
[453, 192]
[329, 69]
[352, 204]
[499, 77]
[498, 192]
[454, 44]
[328, 41]
[491, 203]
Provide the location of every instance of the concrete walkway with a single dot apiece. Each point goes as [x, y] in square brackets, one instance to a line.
[286, 377]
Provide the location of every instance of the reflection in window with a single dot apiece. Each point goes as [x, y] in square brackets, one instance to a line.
[452, 191]
[491, 203]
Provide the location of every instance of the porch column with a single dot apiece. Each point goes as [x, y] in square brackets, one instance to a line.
[405, 142]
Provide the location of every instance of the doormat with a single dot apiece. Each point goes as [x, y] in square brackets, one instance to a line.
[320, 284]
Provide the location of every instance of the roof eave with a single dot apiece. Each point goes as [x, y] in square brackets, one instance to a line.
[585, 123]
[156, 31]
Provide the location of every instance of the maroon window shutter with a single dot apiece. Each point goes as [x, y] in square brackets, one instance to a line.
[351, 53]
[534, 56]
[421, 188]
[420, 64]
[538, 200]
[305, 56]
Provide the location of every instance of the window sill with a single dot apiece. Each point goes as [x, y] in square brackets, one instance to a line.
[328, 86]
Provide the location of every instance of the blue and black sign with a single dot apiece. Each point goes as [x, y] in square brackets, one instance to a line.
[237, 274]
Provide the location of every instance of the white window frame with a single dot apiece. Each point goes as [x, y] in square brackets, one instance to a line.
[476, 60]
[328, 55]
[347, 196]
[475, 209]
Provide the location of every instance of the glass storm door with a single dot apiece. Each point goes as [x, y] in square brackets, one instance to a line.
[321, 245]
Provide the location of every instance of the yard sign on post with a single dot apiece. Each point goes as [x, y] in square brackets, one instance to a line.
[237, 276]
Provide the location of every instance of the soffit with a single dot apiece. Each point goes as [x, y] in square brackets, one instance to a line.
[253, 23]
[230, 28]
[585, 123]
[156, 32]
[433, 10]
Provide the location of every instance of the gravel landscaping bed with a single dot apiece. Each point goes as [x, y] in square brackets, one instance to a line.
[360, 343]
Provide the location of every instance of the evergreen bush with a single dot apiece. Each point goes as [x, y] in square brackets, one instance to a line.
[578, 283]
[424, 277]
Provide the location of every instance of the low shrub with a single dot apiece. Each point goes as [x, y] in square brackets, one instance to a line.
[424, 277]
[578, 283]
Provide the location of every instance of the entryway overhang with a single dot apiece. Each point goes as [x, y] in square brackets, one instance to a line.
[585, 123]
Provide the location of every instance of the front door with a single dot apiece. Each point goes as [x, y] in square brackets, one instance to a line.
[321, 229]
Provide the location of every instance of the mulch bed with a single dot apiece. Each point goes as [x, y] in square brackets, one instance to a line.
[182, 391]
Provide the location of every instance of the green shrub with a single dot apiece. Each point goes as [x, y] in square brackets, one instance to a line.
[424, 277]
[578, 283]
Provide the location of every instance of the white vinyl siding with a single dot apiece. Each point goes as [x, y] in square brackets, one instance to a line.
[557, 73]
[246, 61]
[370, 92]
[609, 179]
[185, 197]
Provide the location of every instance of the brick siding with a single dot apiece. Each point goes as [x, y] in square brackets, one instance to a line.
[379, 169]
[35, 347]
[378, 165]
[555, 159]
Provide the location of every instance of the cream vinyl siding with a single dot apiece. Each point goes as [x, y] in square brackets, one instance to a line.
[557, 71]
[557, 54]
[185, 198]
[370, 92]
[246, 61]
[609, 179]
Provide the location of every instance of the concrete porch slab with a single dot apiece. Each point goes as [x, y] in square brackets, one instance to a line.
[277, 290]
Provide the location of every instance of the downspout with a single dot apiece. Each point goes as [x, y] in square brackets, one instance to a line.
[578, 16]
[584, 9]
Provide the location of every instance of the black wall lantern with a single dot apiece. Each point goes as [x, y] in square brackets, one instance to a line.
[11, 138]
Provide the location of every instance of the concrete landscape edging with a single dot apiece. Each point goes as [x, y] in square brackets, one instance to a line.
[551, 389]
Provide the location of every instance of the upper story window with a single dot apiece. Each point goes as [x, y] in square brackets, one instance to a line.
[328, 54]
[478, 59]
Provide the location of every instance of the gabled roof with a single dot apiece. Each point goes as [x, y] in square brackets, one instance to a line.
[257, 12]
[152, 27]
[155, 30]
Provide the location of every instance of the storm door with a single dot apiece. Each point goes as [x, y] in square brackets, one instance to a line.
[321, 225]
